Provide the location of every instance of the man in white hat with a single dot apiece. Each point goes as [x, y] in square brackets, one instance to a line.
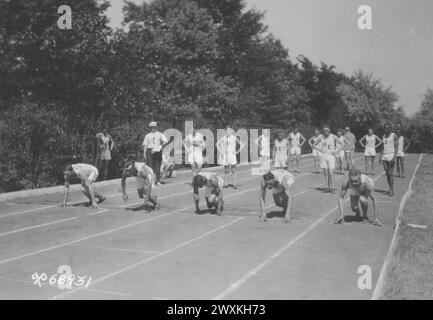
[153, 144]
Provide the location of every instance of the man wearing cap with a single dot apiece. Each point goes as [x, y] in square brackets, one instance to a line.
[350, 148]
[153, 144]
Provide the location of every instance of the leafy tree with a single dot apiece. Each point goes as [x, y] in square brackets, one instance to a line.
[422, 125]
[368, 102]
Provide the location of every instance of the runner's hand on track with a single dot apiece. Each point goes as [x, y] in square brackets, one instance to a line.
[62, 205]
[339, 221]
[94, 206]
[377, 223]
[125, 198]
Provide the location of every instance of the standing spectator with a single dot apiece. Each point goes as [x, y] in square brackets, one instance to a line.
[227, 156]
[153, 144]
[350, 148]
[403, 145]
[105, 146]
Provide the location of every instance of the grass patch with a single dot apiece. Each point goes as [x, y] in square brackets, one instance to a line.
[410, 270]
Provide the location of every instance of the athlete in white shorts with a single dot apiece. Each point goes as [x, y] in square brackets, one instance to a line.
[341, 155]
[167, 165]
[296, 140]
[349, 150]
[145, 180]
[227, 154]
[280, 152]
[194, 144]
[314, 140]
[361, 187]
[370, 142]
[329, 148]
[389, 154]
[403, 145]
[88, 175]
[213, 193]
[263, 143]
[281, 182]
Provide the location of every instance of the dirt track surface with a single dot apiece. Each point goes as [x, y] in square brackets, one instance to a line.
[175, 254]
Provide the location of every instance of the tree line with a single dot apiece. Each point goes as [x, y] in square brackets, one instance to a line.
[211, 61]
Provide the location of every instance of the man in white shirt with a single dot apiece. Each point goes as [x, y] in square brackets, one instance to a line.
[153, 144]
[389, 154]
[329, 147]
[88, 175]
[144, 178]
[280, 152]
[296, 140]
[264, 149]
[212, 184]
[403, 145]
[361, 188]
[281, 183]
[194, 145]
[227, 157]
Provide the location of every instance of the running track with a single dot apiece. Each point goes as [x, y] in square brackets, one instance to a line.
[175, 254]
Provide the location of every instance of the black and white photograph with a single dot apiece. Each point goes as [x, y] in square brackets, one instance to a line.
[217, 155]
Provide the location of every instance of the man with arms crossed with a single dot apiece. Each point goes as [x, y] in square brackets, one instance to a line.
[213, 194]
[281, 182]
[145, 182]
[389, 154]
[361, 188]
[88, 175]
[369, 143]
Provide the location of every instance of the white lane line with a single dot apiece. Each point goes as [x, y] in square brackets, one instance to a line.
[237, 284]
[50, 223]
[158, 255]
[378, 289]
[26, 211]
[37, 226]
[97, 212]
[114, 293]
[112, 230]
[84, 238]
[113, 249]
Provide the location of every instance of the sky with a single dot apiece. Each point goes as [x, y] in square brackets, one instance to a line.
[398, 49]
